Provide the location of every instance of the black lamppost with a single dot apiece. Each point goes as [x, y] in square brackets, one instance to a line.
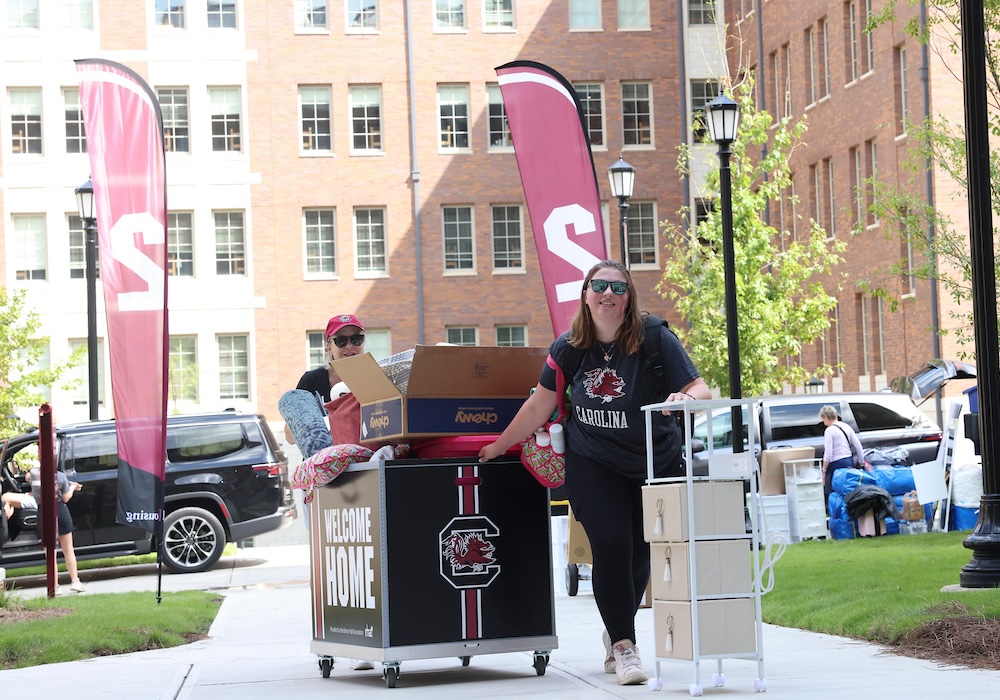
[723, 121]
[622, 177]
[85, 204]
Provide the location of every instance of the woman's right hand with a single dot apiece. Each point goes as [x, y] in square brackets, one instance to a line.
[490, 451]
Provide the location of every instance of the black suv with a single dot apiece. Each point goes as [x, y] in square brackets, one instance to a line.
[226, 480]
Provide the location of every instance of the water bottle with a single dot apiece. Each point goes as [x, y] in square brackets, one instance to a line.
[558, 438]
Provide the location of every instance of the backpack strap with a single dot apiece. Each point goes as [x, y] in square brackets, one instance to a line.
[652, 350]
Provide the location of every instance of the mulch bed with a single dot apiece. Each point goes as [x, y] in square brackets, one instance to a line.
[963, 641]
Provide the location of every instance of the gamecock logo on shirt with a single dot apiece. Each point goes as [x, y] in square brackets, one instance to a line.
[603, 384]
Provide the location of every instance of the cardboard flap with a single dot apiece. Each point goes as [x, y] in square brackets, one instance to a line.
[365, 378]
[460, 371]
[773, 470]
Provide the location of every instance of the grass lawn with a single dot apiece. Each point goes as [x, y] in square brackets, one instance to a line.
[45, 631]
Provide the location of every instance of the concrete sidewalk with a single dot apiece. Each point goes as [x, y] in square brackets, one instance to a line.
[259, 648]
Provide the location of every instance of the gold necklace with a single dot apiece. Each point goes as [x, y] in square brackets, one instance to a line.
[607, 351]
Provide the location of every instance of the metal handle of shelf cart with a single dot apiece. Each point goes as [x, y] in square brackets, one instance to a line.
[745, 466]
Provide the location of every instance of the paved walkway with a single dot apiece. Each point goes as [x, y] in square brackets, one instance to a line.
[258, 647]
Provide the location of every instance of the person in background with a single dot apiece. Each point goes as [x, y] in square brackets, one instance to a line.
[345, 337]
[840, 447]
[65, 490]
[606, 442]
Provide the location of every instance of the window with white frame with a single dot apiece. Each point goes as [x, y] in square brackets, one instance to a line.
[909, 278]
[321, 242]
[811, 68]
[449, 15]
[499, 128]
[366, 118]
[591, 96]
[453, 110]
[230, 243]
[826, 57]
[851, 12]
[22, 14]
[498, 14]
[221, 14]
[880, 330]
[835, 329]
[857, 184]
[786, 51]
[701, 11]
[869, 45]
[316, 349]
[78, 249]
[702, 208]
[362, 15]
[633, 14]
[176, 129]
[508, 237]
[370, 238]
[77, 14]
[463, 335]
[637, 114]
[816, 175]
[25, 120]
[40, 363]
[170, 13]
[378, 342]
[584, 14]
[234, 367]
[831, 228]
[310, 14]
[459, 239]
[29, 248]
[81, 393]
[864, 334]
[183, 368]
[316, 124]
[642, 233]
[226, 108]
[512, 336]
[702, 93]
[76, 141]
[871, 175]
[903, 96]
[180, 244]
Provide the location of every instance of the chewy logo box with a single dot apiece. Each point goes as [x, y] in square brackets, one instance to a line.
[452, 390]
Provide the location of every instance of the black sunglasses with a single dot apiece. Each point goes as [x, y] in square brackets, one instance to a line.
[356, 340]
[600, 286]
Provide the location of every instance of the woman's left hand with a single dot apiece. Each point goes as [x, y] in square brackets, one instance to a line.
[677, 396]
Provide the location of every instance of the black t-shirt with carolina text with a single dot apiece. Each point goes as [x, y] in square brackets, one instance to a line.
[316, 381]
[606, 422]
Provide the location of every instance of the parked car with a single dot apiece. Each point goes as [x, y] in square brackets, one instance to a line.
[881, 419]
[226, 481]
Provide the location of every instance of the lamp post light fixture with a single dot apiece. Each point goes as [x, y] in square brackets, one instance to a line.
[723, 123]
[85, 205]
[622, 177]
[815, 385]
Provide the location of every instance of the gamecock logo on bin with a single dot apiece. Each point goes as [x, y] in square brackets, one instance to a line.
[468, 556]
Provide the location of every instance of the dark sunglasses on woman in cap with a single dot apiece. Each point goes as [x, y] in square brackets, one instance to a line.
[617, 287]
[357, 340]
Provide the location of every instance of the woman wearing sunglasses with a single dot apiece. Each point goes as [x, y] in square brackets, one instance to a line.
[603, 359]
[345, 337]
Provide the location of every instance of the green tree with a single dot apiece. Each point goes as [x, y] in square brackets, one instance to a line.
[940, 250]
[21, 349]
[781, 301]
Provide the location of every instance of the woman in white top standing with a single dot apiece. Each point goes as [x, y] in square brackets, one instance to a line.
[841, 447]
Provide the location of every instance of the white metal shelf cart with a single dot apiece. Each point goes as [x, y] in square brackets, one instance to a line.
[718, 617]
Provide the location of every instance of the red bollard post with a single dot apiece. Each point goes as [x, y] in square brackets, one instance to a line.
[47, 509]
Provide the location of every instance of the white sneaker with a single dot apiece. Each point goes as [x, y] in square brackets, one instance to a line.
[362, 665]
[609, 654]
[628, 666]
[78, 587]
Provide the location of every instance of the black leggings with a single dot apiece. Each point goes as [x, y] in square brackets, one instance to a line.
[609, 506]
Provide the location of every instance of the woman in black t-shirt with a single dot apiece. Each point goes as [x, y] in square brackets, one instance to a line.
[605, 446]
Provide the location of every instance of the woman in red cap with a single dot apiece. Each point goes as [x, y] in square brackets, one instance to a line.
[345, 337]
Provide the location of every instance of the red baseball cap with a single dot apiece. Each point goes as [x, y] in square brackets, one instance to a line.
[338, 322]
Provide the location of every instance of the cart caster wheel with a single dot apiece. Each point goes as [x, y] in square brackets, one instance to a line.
[325, 666]
[572, 579]
[465, 660]
[695, 690]
[656, 684]
[541, 661]
[760, 685]
[718, 680]
[390, 675]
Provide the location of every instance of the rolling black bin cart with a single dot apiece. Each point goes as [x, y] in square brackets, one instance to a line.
[431, 558]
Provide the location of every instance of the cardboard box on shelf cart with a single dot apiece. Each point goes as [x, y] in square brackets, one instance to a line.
[452, 390]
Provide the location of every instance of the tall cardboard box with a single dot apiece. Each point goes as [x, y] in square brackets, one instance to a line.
[718, 510]
[772, 467]
[452, 390]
